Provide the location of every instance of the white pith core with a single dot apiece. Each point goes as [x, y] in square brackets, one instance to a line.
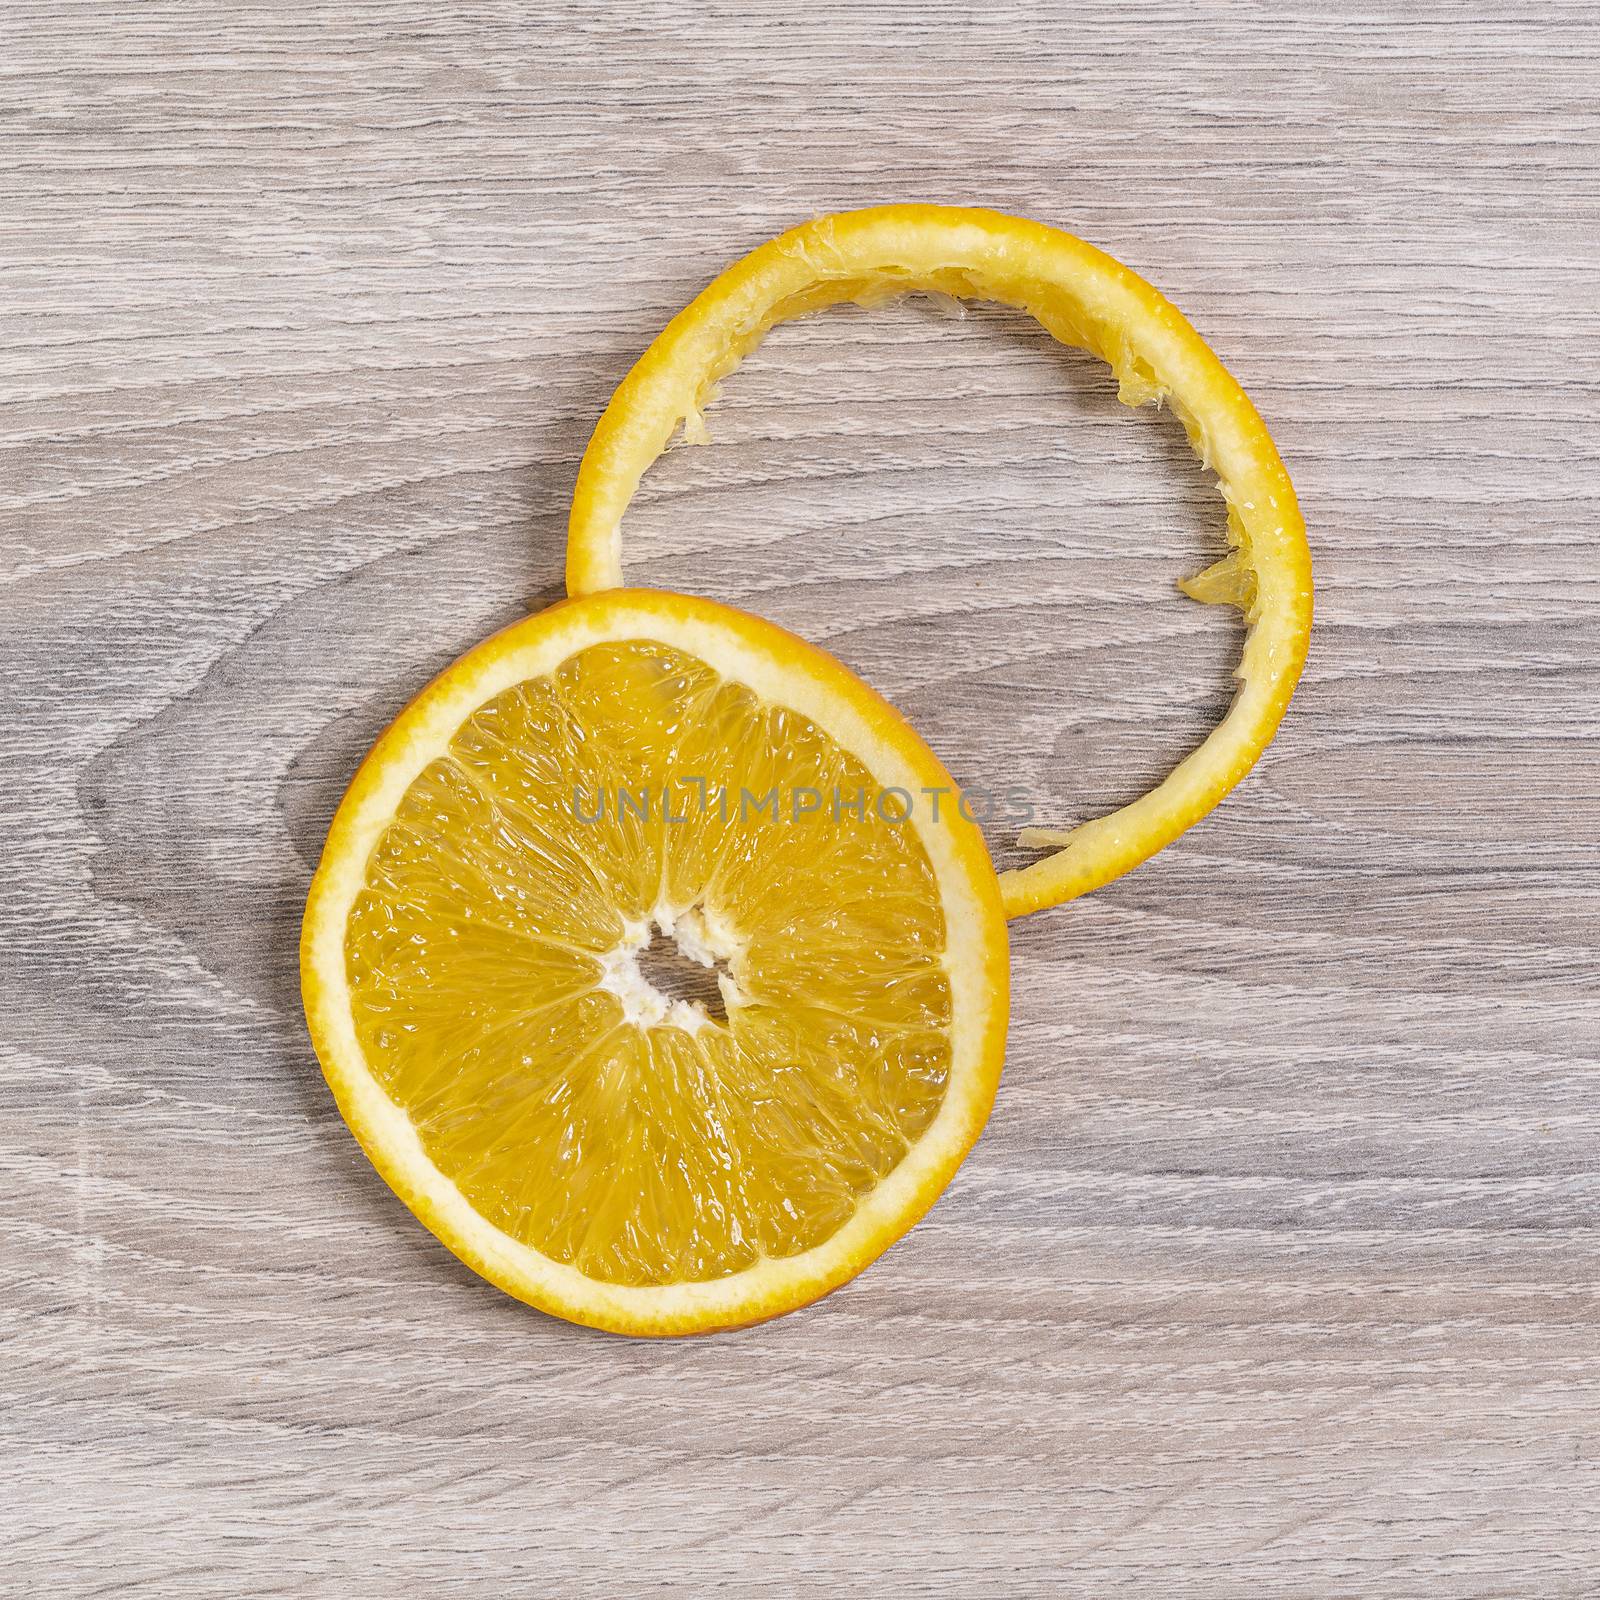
[702, 937]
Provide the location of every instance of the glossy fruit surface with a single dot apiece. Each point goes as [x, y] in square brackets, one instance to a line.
[611, 781]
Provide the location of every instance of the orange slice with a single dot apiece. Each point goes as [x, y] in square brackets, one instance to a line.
[620, 773]
[1084, 298]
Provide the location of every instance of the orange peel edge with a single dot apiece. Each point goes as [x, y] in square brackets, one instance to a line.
[1084, 298]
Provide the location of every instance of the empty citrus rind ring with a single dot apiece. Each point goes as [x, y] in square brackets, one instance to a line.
[1084, 298]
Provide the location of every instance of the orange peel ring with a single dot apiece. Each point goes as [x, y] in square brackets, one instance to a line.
[1084, 298]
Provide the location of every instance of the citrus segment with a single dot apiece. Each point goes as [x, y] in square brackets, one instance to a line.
[1084, 298]
[619, 773]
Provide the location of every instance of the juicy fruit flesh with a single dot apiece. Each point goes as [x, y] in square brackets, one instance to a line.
[493, 961]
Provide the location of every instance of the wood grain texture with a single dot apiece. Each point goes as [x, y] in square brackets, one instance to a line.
[1278, 1269]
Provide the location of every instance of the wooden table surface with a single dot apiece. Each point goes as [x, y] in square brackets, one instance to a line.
[1278, 1269]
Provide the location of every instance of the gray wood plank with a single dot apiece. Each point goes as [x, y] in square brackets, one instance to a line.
[1278, 1269]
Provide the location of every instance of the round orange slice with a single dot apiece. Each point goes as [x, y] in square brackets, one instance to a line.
[1084, 298]
[619, 780]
